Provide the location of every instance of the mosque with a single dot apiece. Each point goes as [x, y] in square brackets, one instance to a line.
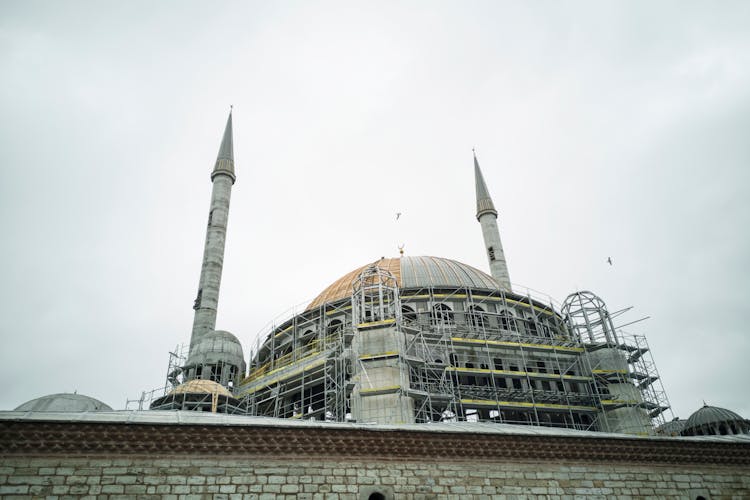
[420, 339]
[417, 340]
[403, 359]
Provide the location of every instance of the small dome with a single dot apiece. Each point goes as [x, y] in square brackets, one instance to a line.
[201, 386]
[671, 428]
[64, 402]
[712, 420]
[217, 346]
[412, 272]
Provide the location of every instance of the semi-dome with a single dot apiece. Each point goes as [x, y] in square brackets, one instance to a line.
[712, 420]
[64, 402]
[412, 272]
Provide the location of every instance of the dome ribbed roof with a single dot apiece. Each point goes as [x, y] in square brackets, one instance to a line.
[413, 272]
[216, 346]
[64, 402]
[709, 415]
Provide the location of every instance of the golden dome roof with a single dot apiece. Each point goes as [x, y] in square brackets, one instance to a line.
[412, 272]
[200, 386]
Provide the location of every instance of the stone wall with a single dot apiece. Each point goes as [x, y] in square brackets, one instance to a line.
[242, 478]
[193, 455]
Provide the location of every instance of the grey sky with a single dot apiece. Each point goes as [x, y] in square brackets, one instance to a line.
[603, 129]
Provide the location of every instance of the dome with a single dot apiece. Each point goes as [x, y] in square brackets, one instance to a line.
[412, 272]
[712, 420]
[671, 428]
[217, 346]
[64, 402]
[201, 386]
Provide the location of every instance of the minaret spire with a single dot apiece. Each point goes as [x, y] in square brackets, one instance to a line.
[487, 217]
[207, 300]
[225, 158]
[484, 202]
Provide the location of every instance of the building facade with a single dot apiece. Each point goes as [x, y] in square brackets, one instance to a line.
[399, 380]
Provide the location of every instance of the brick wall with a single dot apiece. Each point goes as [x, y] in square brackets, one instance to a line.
[242, 478]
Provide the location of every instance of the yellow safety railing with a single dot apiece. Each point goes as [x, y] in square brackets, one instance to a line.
[305, 351]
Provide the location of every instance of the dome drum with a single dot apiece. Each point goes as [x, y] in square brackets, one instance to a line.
[199, 395]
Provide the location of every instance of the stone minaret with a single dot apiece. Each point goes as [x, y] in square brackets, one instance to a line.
[207, 300]
[487, 217]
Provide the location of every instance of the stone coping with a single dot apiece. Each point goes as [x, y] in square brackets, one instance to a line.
[172, 417]
[196, 434]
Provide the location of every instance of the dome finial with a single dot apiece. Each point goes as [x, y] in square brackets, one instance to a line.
[401, 249]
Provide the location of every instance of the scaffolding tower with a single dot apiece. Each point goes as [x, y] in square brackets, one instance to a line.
[627, 387]
[486, 364]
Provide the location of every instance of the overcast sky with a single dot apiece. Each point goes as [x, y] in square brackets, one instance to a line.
[604, 129]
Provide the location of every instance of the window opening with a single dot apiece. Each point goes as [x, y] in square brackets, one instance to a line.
[408, 313]
[441, 313]
[476, 316]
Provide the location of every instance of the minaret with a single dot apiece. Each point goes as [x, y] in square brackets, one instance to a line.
[487, 217]
[207, 300]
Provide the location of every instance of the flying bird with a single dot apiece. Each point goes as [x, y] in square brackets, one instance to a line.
[398, 214]
[609, 260]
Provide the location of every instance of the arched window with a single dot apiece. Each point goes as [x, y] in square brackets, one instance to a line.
[476, 316]
[309, 340]
[334, 326]
[408, 314]
[506, 321]
[546, 330]
[531, 325]
[441, 313]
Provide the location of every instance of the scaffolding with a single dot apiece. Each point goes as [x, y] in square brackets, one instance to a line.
[468, 354]
[206, 399]
[174, 378]
[649, 383]
[485, 363]
[299, 371]
[625, 375]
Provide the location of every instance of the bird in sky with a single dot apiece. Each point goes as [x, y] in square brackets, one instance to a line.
[609, 260]
[398, 214]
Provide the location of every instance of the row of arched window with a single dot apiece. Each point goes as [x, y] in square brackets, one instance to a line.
[476, 316]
